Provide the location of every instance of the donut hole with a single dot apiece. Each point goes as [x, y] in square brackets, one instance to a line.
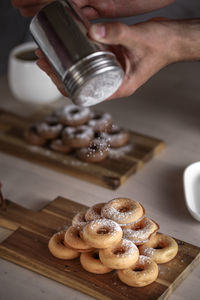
[79, 131]
[103, 230]
[119, 251]
[95, 255]
[61, 242]
[159, 246]
[123, 209]
[97, 117]
[74, 111]
[138, 269]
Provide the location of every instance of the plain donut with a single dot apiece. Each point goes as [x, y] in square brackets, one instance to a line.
[59, 249]
[90, 262]
[144, 272]
[161, 248]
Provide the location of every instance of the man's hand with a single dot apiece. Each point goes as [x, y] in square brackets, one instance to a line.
[94, 9]
[97, 8]
[142, 49]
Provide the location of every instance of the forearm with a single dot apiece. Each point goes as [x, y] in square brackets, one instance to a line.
[186, 39]
[144, 6]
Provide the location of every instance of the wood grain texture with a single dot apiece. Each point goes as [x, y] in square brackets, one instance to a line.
[27, 247]
[110, 173]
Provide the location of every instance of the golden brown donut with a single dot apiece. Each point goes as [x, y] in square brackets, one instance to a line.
[102, 233]
[79, 219]
[140, 232]
[100, 121]
[161, 248]
[58, 249]
[117, 137]
[72, 115]
[77, 137]
[121, 256]
[73, 239]
[123, 210]
[58, 146]
[94, 212]
[32, 137]
[144, 272]
[90, 262]
[97, 151]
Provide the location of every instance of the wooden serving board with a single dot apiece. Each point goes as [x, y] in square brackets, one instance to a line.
[27, 247]
[110, 173]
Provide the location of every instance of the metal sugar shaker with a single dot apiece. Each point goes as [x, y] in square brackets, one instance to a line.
[89, 72]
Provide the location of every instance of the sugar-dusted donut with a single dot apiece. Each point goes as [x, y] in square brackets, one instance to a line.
[94, 212]
[49, 128]
[121, 256]
[72, 115]
[79, 219]
[73, 239]
[58, 146]
[102, 233]
[117, 137]
[100, 121]
[123, 210]
[32, 137]
[58, 249]
[97, 151]
[90, 262]
[161, 248]
[144, 272]
[140, 232]
[77, 137]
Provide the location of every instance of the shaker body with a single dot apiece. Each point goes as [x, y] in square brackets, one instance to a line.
[60, 30]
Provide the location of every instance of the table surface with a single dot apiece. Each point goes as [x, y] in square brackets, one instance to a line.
[166, 107]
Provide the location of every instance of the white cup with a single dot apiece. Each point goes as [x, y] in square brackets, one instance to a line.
[27, 81]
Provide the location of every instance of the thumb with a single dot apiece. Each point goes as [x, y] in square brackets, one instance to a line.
[110, 33]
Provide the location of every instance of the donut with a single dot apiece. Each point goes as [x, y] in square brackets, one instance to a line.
[123, 210]
[49, 128]
[77, 137]
[161, 248]
[90, 262]
[100, 121]
[94, 212]
[97, 151]
[32, 137]
[58, 146]
[140, 232]
[121, 256]
[79, 219]
[102, 233]
[73, 239]
[72, 115]
[59, 249]
[144, 272]
[117, 137]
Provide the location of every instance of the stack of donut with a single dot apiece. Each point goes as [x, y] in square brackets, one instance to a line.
[90, 135]
[116, 236]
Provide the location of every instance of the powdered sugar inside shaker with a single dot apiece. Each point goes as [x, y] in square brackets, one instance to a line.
[89, 72]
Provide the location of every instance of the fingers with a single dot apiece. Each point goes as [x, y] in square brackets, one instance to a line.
[90, 13]
[110, 33]
[45, 66]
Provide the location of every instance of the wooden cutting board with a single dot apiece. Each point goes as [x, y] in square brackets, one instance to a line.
[27, 247]
[110, 173]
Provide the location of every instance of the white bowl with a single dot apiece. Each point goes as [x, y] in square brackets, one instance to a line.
[28, 83]
[191, 180]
